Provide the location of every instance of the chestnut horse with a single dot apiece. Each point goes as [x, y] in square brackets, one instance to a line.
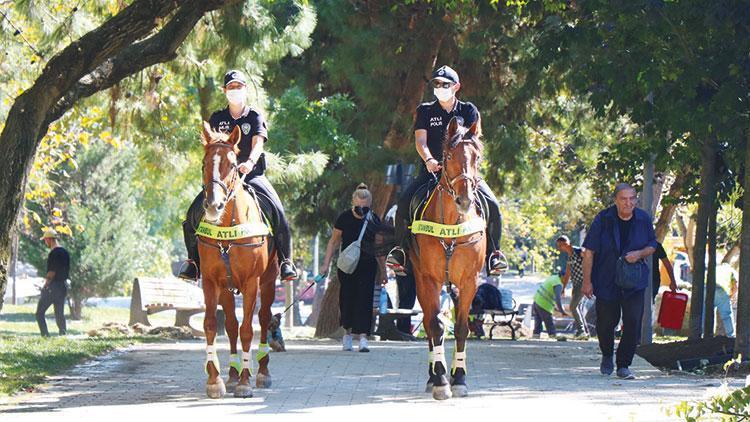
[245, 262]
[452, 259]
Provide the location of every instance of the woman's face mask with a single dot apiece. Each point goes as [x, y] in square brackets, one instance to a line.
[236, 96]
[362, 210]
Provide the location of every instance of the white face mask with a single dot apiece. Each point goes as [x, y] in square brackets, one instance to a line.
[443, 94]
[236, 96]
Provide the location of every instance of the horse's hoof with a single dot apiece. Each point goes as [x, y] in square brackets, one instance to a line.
[441, 392]
[460, 390]
[428, 388]
[263, 381]
[231, 384]
[243, 391]
[216, 391]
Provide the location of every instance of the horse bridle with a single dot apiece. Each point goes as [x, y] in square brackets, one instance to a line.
[228, 192]
[450, 182]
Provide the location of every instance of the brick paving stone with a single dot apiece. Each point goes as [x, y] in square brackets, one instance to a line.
[314, 379]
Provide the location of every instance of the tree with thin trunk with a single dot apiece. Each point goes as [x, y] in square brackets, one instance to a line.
[705, 208]
[144, 33]
[742, 342]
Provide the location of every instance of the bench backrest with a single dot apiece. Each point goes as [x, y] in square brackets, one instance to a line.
[170, 292]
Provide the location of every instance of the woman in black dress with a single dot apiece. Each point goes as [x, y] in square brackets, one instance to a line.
[355, 297]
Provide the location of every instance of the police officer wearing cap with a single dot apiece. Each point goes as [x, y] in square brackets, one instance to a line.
[252, 162]
[429, 132]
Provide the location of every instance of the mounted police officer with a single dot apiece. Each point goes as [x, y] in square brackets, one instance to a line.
[252, 162]
[429, 132]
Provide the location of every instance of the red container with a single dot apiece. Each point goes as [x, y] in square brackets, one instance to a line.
[672, 310]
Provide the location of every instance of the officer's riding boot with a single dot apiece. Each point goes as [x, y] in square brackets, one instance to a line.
[283, 239]
[496, 261]
[190, 268]
[396, 259]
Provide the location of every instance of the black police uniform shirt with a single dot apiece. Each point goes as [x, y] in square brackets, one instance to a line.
[434, 119]
[58, 261]
[251, 123]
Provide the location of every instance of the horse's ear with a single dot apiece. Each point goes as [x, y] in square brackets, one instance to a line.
[206, 133]
[452, 127]
[235, 136]
[473, 130]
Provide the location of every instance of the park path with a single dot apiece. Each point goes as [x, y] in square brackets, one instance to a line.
[524, 380]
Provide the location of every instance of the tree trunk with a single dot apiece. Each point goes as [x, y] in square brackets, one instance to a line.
[668, 211]
[742, 341]
[733, 251]
[705, 207]
[76, 309]
[708, 326]
[329, 320]
[95, 62]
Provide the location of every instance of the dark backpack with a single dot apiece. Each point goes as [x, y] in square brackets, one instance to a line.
[487, 297]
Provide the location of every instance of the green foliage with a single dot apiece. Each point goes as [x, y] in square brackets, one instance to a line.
[311, 132]
[724, 403]
[109, 243]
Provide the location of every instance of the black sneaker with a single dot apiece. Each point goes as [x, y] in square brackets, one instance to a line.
[396, 261]
[288, 271]
[497, 264]
[625, 374]
[189, 270]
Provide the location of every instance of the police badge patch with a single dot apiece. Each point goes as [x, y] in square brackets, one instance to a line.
[246, 128]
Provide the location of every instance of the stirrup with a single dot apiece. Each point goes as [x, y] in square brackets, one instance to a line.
[393, 262]
[500, 266]
[189, 270]
[292, 275]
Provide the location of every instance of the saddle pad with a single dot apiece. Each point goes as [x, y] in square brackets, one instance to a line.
[240, 231]
[448, 230]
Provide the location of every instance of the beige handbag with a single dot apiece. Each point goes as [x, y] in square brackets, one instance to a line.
[349, 257]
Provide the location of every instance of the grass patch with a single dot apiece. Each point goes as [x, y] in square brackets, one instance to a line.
[26, 358]
[26, 361]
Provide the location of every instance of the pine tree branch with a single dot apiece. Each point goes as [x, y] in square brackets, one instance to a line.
[158, 48]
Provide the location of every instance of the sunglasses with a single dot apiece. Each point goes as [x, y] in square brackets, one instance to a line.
[441, 84]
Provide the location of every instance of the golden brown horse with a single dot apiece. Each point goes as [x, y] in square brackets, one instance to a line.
[240, 258]
[451, 255]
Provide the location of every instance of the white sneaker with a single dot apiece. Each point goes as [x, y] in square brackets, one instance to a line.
[347, 343]
[363, 345]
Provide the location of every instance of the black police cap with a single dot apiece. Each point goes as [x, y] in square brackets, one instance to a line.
[234, 76]
[445, 73]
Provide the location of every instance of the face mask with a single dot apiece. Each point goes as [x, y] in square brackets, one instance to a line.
[361, 210]
[443, 94]
[236, 96]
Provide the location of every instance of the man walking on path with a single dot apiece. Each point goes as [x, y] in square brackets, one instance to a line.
[619, 240]
[574, 274]
[55, 288]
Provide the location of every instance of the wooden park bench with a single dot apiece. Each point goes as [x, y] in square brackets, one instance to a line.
[387, 329]
[152, 295]
[500, 318]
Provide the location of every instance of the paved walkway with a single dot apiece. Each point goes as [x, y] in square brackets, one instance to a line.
[523, 380]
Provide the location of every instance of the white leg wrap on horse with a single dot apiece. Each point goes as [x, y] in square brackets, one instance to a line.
[438, 355]
[211, 356]
[246, 362]
[459, 361]
[430, 356]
